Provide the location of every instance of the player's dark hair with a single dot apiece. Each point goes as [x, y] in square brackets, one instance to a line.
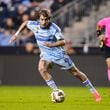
[45, 12]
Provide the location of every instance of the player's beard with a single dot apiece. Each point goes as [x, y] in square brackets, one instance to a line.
[44, 25]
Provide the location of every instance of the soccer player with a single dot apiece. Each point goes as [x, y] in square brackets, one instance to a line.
[104, 25]
[51, 41]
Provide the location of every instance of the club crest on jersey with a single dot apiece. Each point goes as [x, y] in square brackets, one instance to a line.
[36, 29]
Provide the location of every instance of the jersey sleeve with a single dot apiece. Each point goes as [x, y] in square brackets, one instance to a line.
[31, 25]
[58, 33]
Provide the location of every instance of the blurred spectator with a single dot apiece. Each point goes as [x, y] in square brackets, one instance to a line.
[6, 3]
[16, 2]
[57, 4]
[26, 3]
[21, 10]
[9, 25]
[3, 12]
[77, 12]
[26, 35]
[31, 48]
[24, 17]
[35, 4]
[33, 15]
[4, 39]
[46, 4]
[6, 31]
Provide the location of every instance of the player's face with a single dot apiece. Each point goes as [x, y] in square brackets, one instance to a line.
[44, 21]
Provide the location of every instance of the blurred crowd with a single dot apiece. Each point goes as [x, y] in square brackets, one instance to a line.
[14, 12]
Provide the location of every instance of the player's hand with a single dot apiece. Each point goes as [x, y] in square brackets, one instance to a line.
[48, 44]
[13, 38]
[101, 38]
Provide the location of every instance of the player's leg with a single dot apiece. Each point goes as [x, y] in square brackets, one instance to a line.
[108, 66]
[107, 57]
[77, 73]
[67, 63]
[83, 78]
[44, 68]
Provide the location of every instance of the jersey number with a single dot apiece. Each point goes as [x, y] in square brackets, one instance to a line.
[68, 61]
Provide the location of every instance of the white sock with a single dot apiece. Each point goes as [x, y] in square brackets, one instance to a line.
[88, 84]
[51, 84]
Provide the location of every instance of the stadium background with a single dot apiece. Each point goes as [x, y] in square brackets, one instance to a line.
[22, 70]
[77, 19]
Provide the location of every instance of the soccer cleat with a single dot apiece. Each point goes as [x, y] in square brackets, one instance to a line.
[96, 96]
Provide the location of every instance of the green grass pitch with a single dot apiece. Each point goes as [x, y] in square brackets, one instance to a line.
[38, 98]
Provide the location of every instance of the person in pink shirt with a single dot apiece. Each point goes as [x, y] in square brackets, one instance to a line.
[104, 37]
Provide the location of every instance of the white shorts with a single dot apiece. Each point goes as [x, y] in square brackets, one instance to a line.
[64, 61]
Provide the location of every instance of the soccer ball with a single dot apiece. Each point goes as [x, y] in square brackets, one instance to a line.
[57, 96]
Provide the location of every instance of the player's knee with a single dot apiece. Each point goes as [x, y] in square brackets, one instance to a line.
[42, 70]
[74, 72]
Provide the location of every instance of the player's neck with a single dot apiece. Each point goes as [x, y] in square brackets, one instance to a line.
[46, 27]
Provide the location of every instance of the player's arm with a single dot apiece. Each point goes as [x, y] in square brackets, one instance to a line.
[59, 38]
[60, 42]
[14, 37]
[100, 36]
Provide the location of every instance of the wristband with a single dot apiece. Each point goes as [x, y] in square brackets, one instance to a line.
[16, 34]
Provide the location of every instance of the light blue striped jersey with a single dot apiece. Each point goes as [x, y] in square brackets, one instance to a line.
[50, 34]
